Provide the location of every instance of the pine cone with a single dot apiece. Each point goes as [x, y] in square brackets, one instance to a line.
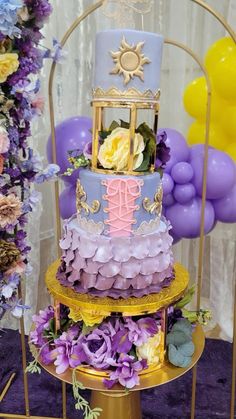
[9, 255]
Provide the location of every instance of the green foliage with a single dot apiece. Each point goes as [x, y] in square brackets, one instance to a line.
[33, 367]
[180, 345]
[81, 403]
[187, 298]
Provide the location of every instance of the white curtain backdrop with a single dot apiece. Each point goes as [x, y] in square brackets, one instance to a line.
[180, 20]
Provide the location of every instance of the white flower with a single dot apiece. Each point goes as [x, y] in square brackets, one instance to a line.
[152, 350]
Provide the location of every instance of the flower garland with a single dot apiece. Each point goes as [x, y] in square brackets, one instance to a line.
[21, 59]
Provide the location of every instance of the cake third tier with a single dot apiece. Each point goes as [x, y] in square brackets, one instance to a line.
[117, 245]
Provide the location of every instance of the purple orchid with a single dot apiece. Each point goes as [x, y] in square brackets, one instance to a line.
[126, 372]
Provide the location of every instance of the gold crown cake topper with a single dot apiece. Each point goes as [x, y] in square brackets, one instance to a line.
[129, 61]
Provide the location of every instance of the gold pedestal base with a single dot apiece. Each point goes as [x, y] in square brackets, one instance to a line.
[117, 405]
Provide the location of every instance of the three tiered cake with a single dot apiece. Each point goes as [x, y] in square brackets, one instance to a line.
[118, 244]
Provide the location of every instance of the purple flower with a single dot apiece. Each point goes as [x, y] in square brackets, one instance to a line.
[162, 151]
[134, 333]
[47, 174]
[126, 372]
[41, 321]
[98, 346]
[69, 350]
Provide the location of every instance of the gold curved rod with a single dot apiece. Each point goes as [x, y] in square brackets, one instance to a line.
[208, 83]
[218, 16]
[201, 243]
[74, 25]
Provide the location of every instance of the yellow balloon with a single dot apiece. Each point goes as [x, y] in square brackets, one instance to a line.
[196, 135]
[195, 100]
[218, 51]
[224, 77]
[228, 121]
[231, 150]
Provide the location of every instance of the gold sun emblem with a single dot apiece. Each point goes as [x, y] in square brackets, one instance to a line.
[129, 61]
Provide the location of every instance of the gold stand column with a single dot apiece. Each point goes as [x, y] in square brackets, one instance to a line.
[117, 405]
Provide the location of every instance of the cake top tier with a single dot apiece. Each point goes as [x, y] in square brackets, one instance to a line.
[127, 63]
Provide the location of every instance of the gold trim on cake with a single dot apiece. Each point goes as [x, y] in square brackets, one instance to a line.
[81, 203]
[129, 61]
[156, 205]
[131, 93]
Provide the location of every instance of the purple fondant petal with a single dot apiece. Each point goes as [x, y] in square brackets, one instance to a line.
[104, 283]
[75, 240]
[87, 247]
[149, 265]
[92, 267]
[69, 256]
[78, 262]
[131, 268]
[103, 252]
[121, 283]
[110, 269]
[121, 248]
[140, 247]
[88, 280]
[74, 276]
[141, 281]
[66, 241]
[155, 246]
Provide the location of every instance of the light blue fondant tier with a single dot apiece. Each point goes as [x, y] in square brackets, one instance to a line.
[110, 41]
[92, 184]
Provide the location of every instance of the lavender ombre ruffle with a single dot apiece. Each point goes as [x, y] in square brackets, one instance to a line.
[115, 266]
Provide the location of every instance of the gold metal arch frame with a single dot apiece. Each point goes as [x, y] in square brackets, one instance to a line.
[68, 33]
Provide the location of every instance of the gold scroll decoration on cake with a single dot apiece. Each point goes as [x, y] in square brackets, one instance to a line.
[129, 61]
[81, 199]
[156, 205]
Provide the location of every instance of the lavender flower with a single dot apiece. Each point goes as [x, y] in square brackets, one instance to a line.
[87, 152]
[56, 53]
[41, 321]
[49, 173]
[126, 372]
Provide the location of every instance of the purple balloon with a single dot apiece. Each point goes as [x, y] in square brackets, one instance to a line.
[67, 202]
[168, 200]
[71, 134]
[221, 174]
[179, 150]
[167, 184]
[225, 208]
[182, 172]
[185, 219]
[184, 193]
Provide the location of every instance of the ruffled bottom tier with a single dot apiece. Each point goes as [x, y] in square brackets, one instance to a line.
[116, 266]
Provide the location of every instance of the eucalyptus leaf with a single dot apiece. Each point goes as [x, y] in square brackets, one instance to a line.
[183, 325]
[187, 349]
[177, 338]
[177, 358]
[104, 134]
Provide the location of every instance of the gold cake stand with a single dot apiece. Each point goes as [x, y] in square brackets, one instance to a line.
[118, 403]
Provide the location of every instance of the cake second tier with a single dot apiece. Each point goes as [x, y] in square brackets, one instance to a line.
[118, 205]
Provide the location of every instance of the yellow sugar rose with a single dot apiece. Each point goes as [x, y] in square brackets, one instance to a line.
[114, 152]
[8, 64]
[152, 350]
